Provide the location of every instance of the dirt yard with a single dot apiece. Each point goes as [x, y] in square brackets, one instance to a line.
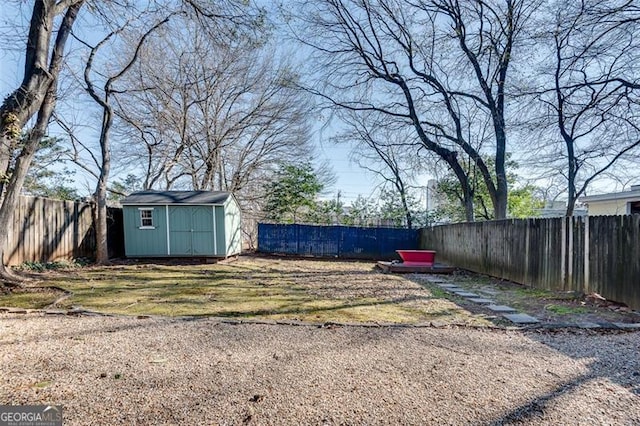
[116, 370]
[212, 353]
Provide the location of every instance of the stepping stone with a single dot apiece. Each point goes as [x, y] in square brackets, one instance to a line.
[608, 325]
[589, 325]
[448, 286]
[466, 294]
[628, 326]
[490, 291]
[453, 289]
[482, 300]
[436, 280]
[521, 318]
[501, 308]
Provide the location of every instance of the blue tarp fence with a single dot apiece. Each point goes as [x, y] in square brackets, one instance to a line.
[336, 241]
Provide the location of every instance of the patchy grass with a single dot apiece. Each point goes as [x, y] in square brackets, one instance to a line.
[29, 298]
[254, 287]
[535, 292]
[566, 310]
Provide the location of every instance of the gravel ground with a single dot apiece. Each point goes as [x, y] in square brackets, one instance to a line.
[107, 370]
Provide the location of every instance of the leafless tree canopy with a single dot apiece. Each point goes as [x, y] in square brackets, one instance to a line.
[440, 67]
[209, 103]
[554, 80]
[210, 115]
[588, 89]
[386, 149]
[199, 111]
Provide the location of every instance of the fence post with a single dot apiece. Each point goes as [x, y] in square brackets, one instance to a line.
[586, 286]
[76, 229]
[570, 223]
[526, 251]
[563, 252]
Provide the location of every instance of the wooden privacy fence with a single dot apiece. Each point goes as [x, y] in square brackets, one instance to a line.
[335, 241]
[583, 254]
[44, 230]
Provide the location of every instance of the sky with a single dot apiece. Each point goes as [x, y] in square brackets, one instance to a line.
[351, 180]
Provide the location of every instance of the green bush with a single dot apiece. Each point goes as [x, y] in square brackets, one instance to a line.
[54, 266]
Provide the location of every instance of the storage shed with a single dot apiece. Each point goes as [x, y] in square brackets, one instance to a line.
[181, 224]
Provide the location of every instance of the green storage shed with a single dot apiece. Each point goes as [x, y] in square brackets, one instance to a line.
[181, 224]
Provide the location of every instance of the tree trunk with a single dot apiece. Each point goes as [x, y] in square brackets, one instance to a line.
[494, 102]
[449, 156]
[19, 173]
[407, 212]
[16, 181]
[467, 192]
[37, 93]
[571, 180]
[468, 207]
[26, 100]
[501, 198]
[102, 248]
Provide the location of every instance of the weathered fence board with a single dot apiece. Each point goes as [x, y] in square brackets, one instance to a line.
[614, 257]
[44, 230]
[593, 254]
[335, 241]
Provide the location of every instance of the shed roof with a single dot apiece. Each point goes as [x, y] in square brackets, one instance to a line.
[176, 197]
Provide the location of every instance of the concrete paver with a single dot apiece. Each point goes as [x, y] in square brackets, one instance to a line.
[486, 296]
[501, 308]
[482, 301]
[448, 285]
[521, 318]
[466, 294]
[629, 326]
[589, 325]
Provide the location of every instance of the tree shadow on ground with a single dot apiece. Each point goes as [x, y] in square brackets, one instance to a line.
[618, 363]
[604, 362]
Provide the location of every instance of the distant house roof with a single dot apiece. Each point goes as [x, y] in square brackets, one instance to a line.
[632, 195]
[176, 197]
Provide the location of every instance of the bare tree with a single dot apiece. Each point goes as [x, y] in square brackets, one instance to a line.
[36, 95]
[103, 98]
[434, 65]
[216, 115]
[591, 93]
[386, 151]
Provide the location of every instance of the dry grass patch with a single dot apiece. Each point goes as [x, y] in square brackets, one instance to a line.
[30, 298]
[254, 287]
